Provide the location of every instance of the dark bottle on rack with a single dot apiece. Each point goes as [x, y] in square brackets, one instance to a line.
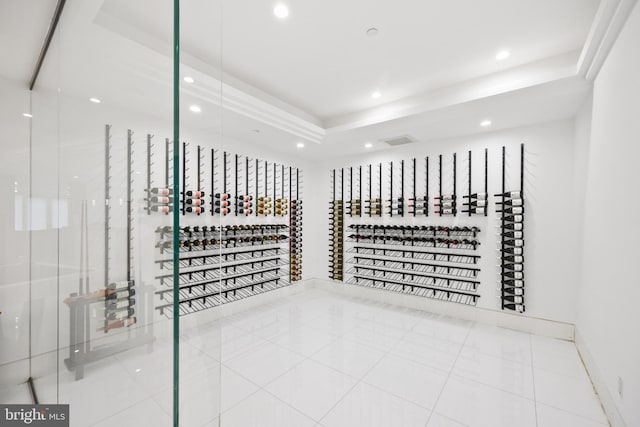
[513, 210]
[513, 234]
[511, 194]
[446, 211]
[513, 274]
[223, 203]
[511, 202]
[161, 208]
[160, 199]
[512, 291]
[195, 202]
[445, 197]
[516, 307]
[244, 198]
[513, 226]
[517, 283]
[513, 298]
[512, 251]
[244, 204]
[161, 191]
[222, 196]
[196, 194]
[479, 196]
[446, 205]
[245, 211]
[515, 266]
[222, 211]
[512, 258]
[194, 209]
[477, 203]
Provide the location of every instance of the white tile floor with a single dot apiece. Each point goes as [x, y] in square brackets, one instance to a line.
[326, 360]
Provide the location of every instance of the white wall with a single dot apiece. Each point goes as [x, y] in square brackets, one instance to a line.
[551, 251]
[608, 322]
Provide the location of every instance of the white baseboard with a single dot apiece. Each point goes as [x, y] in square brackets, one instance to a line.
[608, 403]
[523, 323]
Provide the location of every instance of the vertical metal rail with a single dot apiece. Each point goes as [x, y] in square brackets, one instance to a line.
[370, 189]
[282, 183]
[401, 202]
[469, 192]
[257, 184]
[213, 178]
[107, 207]
[246, 180]
[426, 184]
[166, 166]
[224, 175]
[237, 190]
[176, 217]
[274, 188]
[297, 184]
[290, 182]
[184, 179]
[486, 186]
[342, 184]
[360, 190]
[415, 200]
[440, 184]
[455, 196]
[350, 191]
[129, 213]
[391, 189]
[380, 189]
[266, 183]
[502, 214]
[149, 136]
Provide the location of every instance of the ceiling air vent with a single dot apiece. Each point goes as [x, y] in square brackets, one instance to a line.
[399, 140]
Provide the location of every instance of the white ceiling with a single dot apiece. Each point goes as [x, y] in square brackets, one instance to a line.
[310, 77]
[23, 27]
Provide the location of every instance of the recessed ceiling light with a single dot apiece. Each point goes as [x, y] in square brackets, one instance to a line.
[76, 177]
[27, 115]
[503, 54]
[195, 109]
[95, 100]
[281, 11]
[485, 123]
[188, 79]
[376, 95]
[300, 145]
[372, 32]
[368, 145]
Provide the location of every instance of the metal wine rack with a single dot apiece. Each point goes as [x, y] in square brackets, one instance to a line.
[512, 241]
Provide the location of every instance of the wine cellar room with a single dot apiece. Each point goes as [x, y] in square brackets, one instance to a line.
[332, 214]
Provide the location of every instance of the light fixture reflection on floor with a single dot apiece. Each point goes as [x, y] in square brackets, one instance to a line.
[195, 109]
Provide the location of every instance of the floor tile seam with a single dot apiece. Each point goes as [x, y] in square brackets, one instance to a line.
[129, 407]
[582, 416]
[463, 377]
[493, 356]
[449, 418]
[533, 378]
[421, 405]
[446, 381]
[585, 379]
[291, 406]
[360, 380]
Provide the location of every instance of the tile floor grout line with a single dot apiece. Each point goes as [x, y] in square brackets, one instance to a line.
[533, 377]
[360, 380]
[444, 385]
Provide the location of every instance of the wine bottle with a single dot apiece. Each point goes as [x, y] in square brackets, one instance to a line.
[479, 196]
[160, 199]
[121, 315]
[512, 258]
[118, 324]
[516, 307]
[222, 203]
[477, 203]
[512, 251]
[513, 234]
[511, 202]
[194, 209]
[513, 210]
[516, 283]
[514, 226]
[161, 191]
[222, 211]
[513, 274]
[513, 291]
[115, 305]
[514, 242]
[222, 196]
[511, 194]
[446, 211]
[161, 208]
[513, 298]
[475, 210]
[116, 295]
[512, 266]
[196, 194]
[446, 197]
[245, 211]
[195, 202]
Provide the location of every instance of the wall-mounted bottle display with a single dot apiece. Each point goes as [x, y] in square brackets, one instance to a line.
[510, 206]
[446, 204]
[416, 260]
[476, 203]
[295, 226]
[336, 230]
